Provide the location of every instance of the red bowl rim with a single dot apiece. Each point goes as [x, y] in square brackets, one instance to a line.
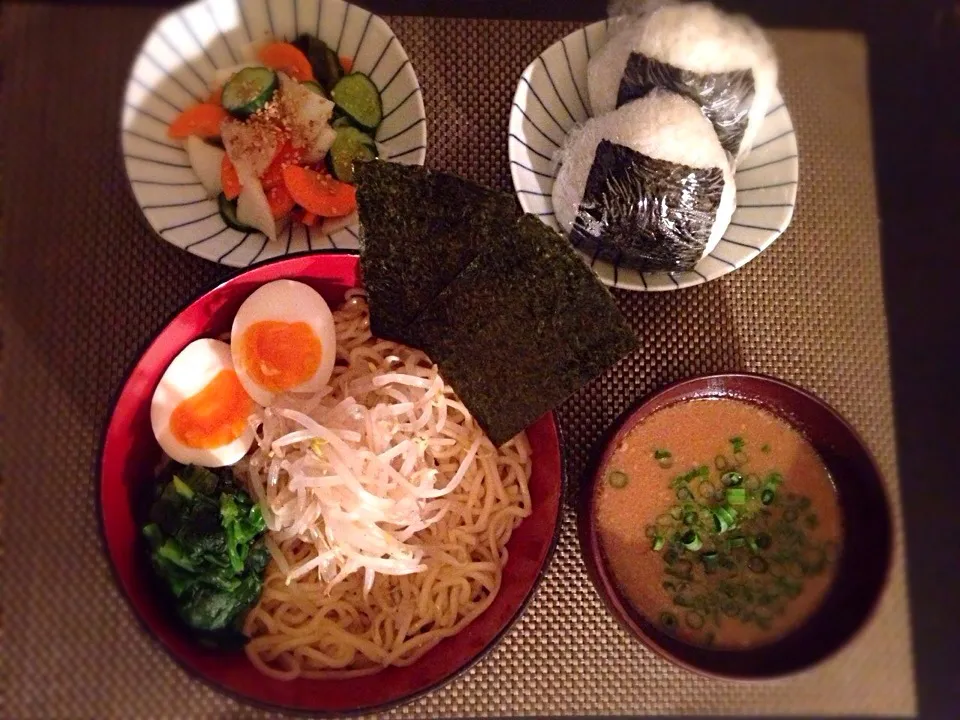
[224, 689]
[602, 580]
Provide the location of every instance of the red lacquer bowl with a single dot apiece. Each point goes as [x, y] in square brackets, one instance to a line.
[867, 545]
[129, 453]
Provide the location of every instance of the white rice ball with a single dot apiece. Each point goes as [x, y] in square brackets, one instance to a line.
[662, 126]
[694, 37]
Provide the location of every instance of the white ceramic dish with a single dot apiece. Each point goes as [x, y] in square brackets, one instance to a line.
[551, 98]
[173, 70]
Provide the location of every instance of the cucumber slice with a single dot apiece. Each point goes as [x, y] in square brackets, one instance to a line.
[228, 211]
[351, 145]
[314, 86]
[249, 90]
[324, 61]
[357, 96]
[341, 121]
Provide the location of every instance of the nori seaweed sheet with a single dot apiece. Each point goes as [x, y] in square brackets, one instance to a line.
[725, 98]
[523, 327]
[648, 214]
[419, 230]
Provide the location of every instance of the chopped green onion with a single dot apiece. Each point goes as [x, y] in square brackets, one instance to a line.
[684, 494]
[710, 561]
[706, 489]
[732, 479]
[691, 540]
[720, 462]
[651, 531]
[668, 620]
[737, 443]
[690, 518]
[790, 515]
[766, 497]
[722, 519]
[664, 458]
[670, 556]
[774, 478]
[762, 620]
[658, 543]
[752, 481]
[676, 512]
[669, 586]
[757, 564]
[813, 561]
[765, 448]
[804, 503]
[694, 620]
[752, 542]
[763, 541]
[618, 479]
[741, 457]
[664, 520]
[730, 608]
[703, 471]
[684, 567]
[735, 542]
[811, 521]
[736, 496]
[681, 600]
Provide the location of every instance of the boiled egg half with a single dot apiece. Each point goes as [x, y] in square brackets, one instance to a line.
[283, 340]
[200, 412]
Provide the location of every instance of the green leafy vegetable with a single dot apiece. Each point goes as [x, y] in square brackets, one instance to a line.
[205, 538]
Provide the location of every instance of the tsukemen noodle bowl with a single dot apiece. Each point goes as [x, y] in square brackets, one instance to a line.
[738, 526]
[305, 515]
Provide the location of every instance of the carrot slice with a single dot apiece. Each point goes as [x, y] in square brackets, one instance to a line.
[229, 178]
[319, 194]
[286, 58]
[308, 218]
[346, 63]
[216, 97]
[202, 120]
[287, 154]
[280, 201]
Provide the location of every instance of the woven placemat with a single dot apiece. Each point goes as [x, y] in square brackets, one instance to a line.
[86, 286]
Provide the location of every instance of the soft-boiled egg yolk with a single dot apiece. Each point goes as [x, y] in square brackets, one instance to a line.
[215, 416]
[200, 411]
[283, 341]
[280, 355]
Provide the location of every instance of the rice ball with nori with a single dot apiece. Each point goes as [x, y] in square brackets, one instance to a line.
[647, 186]
[722, 62]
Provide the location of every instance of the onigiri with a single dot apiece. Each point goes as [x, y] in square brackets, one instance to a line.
[647, 186]
[722, 62]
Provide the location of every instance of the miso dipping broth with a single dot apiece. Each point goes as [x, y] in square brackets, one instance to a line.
[719, 523]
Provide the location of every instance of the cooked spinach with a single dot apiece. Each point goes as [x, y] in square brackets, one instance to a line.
[206, 544]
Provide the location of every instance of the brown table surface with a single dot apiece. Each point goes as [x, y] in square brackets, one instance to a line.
[907, 139]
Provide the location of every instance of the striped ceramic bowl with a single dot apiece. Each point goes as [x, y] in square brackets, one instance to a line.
[173, 70]
[552, 98]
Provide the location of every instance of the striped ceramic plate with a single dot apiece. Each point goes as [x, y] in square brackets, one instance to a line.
[173, 70]
[552, 97]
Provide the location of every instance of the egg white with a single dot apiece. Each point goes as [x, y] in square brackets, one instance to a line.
[189, 373]
[286, 301]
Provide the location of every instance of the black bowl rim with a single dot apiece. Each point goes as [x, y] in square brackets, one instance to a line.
[585, 517]
[223, 689]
